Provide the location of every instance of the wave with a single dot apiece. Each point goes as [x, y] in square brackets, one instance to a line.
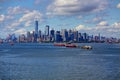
[4, 50]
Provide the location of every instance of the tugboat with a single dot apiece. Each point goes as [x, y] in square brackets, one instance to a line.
[86, 47]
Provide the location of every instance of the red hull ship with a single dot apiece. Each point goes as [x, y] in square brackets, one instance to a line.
[66, 45]
[59, 44]
[71, 45]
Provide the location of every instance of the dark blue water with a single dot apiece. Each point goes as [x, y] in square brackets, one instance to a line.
[46, 62]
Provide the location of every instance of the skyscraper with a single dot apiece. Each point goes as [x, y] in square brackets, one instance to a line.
[99, 36]
[58, 37]
[36, 27]
[39, 33]
[47, 30]
[65, 35]
[85, 37]
[36, 31]
[52, 35]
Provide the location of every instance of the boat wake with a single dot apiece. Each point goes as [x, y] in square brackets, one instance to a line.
[4, 50]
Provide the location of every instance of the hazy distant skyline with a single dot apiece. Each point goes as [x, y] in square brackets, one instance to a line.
[90, 16]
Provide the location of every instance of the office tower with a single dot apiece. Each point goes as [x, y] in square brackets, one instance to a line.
[22, 38]
[39, 33]
[69, 35]
[36, 27]
[36, 31]
[58, 37]
[47, 30]
[92, 37]
[79, 36]
[33, 33]
[85, 37]
[13, 37]
[65, 35]
[99, 36]
[52, 35]
[75, 35]
[28, 36]
[69, 32]
[103, 39]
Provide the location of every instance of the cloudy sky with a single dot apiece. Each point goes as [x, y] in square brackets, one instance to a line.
[90, 16]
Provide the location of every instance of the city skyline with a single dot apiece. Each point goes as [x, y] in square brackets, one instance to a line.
[98, 16]
[63, 35]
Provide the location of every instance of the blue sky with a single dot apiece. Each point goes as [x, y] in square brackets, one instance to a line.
[92, 17]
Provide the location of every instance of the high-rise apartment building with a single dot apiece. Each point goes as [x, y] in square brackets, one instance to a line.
[47, 30]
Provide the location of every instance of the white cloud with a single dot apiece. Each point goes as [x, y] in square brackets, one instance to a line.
[11, 24]
[15, 24]
[75, 7]
[31, 16]
[118, 6]
[28, 23]
[2, 18]
[103, 23]
[96, 19]
[116, 24]
[20, 25]
[108, 31]
[5, 18]
[79, 27]
[20, 31]
[9, 17]
[17, 10]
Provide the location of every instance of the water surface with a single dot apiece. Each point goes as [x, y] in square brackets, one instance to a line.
[47, 62]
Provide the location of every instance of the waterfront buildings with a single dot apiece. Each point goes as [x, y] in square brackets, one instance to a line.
[50, 35]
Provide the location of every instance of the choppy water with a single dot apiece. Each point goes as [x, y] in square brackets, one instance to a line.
[46, 62]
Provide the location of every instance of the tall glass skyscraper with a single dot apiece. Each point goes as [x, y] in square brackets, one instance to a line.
[36, 31]
[36, 27]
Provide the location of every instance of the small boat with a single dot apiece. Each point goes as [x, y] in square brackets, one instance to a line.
[59, 44]
[71, 45]
[86, 47]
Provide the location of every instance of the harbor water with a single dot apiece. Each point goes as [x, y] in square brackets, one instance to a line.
[43, 61]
